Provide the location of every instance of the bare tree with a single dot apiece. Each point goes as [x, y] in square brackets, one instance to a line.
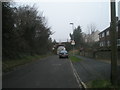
[91, 28]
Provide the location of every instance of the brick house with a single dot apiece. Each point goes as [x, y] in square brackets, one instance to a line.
[104, 38]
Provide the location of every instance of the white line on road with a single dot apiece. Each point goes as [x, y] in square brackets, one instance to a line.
[79, 81]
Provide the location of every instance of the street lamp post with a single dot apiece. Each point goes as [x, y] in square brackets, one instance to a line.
[73, 42]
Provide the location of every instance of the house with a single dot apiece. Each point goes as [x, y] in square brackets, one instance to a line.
[118, 28]
[104, 38]
[93, 37]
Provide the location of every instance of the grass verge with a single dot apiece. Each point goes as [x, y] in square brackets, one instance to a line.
[76, 52]
[74, 59]
[101, 84]
[8, 65]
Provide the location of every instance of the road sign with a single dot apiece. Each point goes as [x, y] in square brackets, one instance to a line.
[72, 42]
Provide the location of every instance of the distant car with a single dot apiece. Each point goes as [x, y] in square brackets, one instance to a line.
[63, 54]
[59, 49]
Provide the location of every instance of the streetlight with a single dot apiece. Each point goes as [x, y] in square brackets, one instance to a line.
[73, 42]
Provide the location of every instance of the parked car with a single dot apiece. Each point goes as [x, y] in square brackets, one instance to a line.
[63, 54]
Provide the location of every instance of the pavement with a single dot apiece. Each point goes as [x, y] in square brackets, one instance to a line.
[50, 72]
[90, 69]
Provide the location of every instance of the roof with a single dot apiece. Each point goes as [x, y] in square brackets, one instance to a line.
[118, 23]
[104, 30]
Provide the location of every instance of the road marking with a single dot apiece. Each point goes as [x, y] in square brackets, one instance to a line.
[79, 81]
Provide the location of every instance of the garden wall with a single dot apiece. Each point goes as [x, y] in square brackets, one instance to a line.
[103, 55]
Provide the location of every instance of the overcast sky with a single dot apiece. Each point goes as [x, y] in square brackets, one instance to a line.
[60, 14]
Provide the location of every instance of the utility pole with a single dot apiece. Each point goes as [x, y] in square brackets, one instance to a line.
[113, 44]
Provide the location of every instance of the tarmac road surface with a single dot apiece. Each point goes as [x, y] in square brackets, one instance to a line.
[50, 72]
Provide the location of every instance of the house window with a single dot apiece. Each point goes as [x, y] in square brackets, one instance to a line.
[103, 34]
[118, 42]
[99, 35]
[101, 44]
[104, 43]
[107, 33]
[117, 28]
[108, 43]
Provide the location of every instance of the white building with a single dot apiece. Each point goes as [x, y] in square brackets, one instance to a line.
[94, 37]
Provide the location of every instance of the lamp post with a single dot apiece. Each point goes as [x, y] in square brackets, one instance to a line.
[72, 28]
[73, 42]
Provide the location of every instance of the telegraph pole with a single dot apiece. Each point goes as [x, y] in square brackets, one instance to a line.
[113, 44]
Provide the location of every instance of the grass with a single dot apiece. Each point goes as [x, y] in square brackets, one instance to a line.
[8, 65]
[76, 52]
[101, 84]
[74, 59]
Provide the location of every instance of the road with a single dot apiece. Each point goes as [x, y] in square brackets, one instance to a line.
[50, 72]
[90, 69]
